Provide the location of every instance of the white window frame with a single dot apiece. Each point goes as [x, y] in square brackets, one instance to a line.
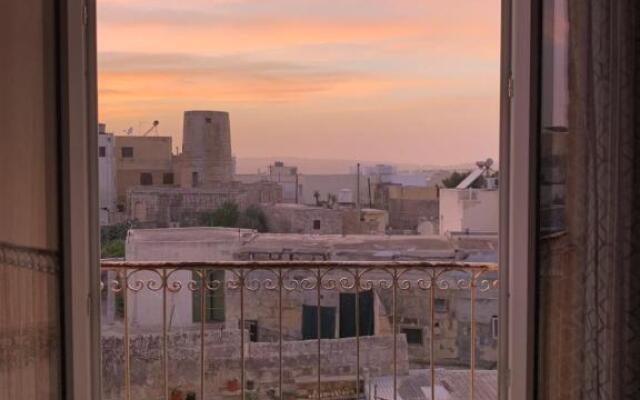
[78, 77]
[75, 20]
[518, 213]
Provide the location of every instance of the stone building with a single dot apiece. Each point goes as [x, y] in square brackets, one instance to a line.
[366, 221]
[408, 206]
[287, 177]
[298, 218]
[159, 207]
[284, 175]
[469, 210]
[107, 175]
[331, 184]
[142, 161]
[452, 306]
[206, 158]
[157, 188]
[337, 360]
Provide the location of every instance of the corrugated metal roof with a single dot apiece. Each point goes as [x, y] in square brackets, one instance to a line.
[450, 385]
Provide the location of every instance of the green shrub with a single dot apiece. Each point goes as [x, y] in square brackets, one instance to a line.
[112, 249]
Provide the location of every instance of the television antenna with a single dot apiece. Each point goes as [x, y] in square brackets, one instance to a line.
[154, 128]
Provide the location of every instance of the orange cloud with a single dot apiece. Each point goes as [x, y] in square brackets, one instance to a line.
[401, 74]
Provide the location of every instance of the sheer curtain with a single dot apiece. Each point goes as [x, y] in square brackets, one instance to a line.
[589, 236]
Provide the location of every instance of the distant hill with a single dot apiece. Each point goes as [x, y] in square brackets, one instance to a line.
[251, 165]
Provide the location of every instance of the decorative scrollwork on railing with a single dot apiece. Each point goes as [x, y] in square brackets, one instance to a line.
[424, 284]
[174, 286]
[464, 283]
[299, 284]
[403, 284]
[270, 284]
[253, 284]
[115, 285]
[235, 284]
[344, 283]
[193, 285]
[360, 278]
[484, 285]
[213, 285]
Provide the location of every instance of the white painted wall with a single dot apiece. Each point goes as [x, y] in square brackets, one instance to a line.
[107, 177]
[180, 244]
[326, 184]
[475, 210]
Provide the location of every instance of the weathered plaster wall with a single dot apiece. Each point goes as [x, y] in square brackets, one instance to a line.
[222, 363]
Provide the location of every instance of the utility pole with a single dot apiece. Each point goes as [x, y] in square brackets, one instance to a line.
[358, 186]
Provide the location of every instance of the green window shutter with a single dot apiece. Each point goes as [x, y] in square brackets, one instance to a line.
[214, 299]
[196, 299]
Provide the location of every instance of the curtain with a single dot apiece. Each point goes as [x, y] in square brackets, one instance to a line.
[589, 269]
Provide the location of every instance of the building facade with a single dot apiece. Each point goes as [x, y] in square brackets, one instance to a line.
[469, 210]
[452, 307]
[106, 175]
[142, 161]
[159, 207]
[408, 206]
[206, 158]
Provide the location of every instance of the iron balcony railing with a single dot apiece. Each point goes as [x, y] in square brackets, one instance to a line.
[246, 278]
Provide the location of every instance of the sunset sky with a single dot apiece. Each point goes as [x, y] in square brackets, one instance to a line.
[412, 81]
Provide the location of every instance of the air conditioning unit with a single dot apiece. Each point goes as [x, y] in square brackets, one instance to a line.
[492, 183]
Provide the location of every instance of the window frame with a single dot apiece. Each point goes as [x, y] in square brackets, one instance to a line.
[79, 212]
[122, 152]
[77, 51]
[146, 179]
[168, 178]
[419, 334]
[520, 63]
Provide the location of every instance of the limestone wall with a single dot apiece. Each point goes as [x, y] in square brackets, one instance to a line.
[222, 363]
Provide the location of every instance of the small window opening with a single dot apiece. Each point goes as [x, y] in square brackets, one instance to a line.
[127, 152]
[316, 224]
[195, 179]
[441, 305]
[252, 327]
[146, 179]
[102, 151]
[494, 327]
[414, 335]
[167, 178]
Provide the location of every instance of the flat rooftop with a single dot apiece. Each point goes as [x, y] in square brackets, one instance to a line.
[244, 242]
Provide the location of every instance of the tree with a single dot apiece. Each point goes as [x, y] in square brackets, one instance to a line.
[253, 218]
[112, 240]
[112, 249]
[316, 195]
[229, 215]
[226, 215]
[114, 232]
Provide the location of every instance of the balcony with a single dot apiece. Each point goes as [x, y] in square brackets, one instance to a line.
[311, 329]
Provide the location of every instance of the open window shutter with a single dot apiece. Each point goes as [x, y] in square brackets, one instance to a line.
[196, 300]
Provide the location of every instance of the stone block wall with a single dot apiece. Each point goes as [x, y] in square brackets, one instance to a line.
[223, 358]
